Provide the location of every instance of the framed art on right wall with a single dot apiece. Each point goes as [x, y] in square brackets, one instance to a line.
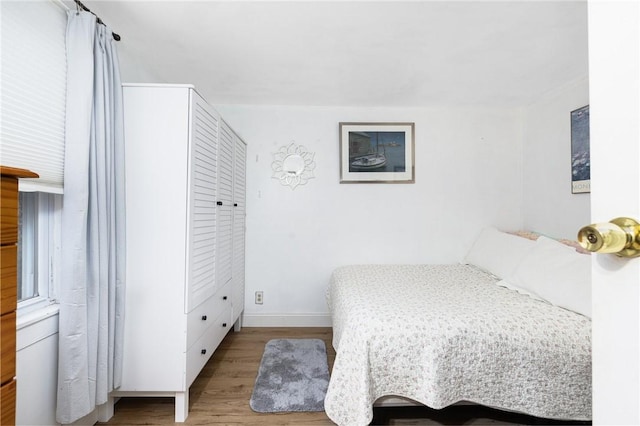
[580, 152]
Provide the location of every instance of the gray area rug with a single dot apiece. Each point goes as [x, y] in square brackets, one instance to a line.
[293, 376]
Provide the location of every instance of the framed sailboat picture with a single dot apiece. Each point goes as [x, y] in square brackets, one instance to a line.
[377, 153]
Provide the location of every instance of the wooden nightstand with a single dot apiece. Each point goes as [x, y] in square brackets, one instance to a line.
[8, 289]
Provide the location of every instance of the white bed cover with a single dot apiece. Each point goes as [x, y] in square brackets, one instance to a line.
[440, 334]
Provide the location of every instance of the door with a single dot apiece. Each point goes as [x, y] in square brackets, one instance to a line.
[239, 212]
[203, 144]
[614, 74]
[224, 204]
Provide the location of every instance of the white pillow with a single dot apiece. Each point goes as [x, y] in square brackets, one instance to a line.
[497, 252]
[557, 274]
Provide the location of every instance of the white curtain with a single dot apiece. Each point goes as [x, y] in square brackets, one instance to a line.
[93, 239]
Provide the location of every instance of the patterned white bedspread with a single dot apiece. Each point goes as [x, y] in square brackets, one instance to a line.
[440, 334]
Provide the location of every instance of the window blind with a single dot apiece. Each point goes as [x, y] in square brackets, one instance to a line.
[33, 90]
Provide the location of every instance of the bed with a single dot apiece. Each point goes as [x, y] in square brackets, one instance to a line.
[477, 332]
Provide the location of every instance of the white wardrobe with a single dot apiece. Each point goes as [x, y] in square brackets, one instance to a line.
[185, 193]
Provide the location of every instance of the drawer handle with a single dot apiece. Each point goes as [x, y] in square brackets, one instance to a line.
[224, 324]
[203, 352]
[235, 204]
[219, 203]
[204, 318]
[224, 297]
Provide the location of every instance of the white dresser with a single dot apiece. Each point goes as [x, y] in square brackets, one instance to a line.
[185, 192]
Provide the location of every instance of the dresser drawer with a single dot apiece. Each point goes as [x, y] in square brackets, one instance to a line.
[203, 348]
[8, 278]
[202, 316]
[8, 347]
[8, 403]
[9, 210]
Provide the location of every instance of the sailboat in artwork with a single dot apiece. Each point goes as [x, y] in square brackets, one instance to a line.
[370, 161]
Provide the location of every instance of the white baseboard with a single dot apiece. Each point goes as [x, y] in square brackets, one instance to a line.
[286, 320]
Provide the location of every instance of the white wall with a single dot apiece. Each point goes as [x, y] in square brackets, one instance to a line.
[468, 175]
[37, 367]
[549, 206]
[132, 69]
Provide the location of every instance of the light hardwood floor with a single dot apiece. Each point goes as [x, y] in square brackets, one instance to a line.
[221, 393]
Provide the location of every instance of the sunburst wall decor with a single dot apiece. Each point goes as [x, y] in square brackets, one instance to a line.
[293, 165]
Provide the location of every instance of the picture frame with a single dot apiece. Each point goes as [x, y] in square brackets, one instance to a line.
[580, 151]
[377, 152]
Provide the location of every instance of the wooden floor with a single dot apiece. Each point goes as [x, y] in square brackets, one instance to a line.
[221, 393]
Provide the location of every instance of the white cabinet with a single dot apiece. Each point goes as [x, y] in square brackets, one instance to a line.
[181, 299]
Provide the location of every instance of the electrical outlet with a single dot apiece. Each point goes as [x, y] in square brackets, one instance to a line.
[259, 295]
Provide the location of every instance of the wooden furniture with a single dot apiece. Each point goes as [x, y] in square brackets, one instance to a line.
[9, 289]
[185, 239]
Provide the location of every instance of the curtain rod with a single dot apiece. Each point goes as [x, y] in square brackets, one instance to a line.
[116, 37]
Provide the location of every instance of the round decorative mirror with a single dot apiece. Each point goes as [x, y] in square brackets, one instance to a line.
[293, 165]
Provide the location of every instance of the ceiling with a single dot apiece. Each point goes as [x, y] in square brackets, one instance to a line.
[355, 53]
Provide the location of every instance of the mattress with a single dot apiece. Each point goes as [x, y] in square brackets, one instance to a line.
[442, 334]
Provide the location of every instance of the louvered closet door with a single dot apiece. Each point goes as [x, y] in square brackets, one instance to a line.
[224, 203]
[239, 213]
[204, 132]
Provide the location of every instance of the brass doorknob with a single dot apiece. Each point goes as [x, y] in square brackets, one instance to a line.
[619, 236]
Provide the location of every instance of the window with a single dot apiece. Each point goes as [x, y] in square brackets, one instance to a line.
[39, 248]
[32, 102]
